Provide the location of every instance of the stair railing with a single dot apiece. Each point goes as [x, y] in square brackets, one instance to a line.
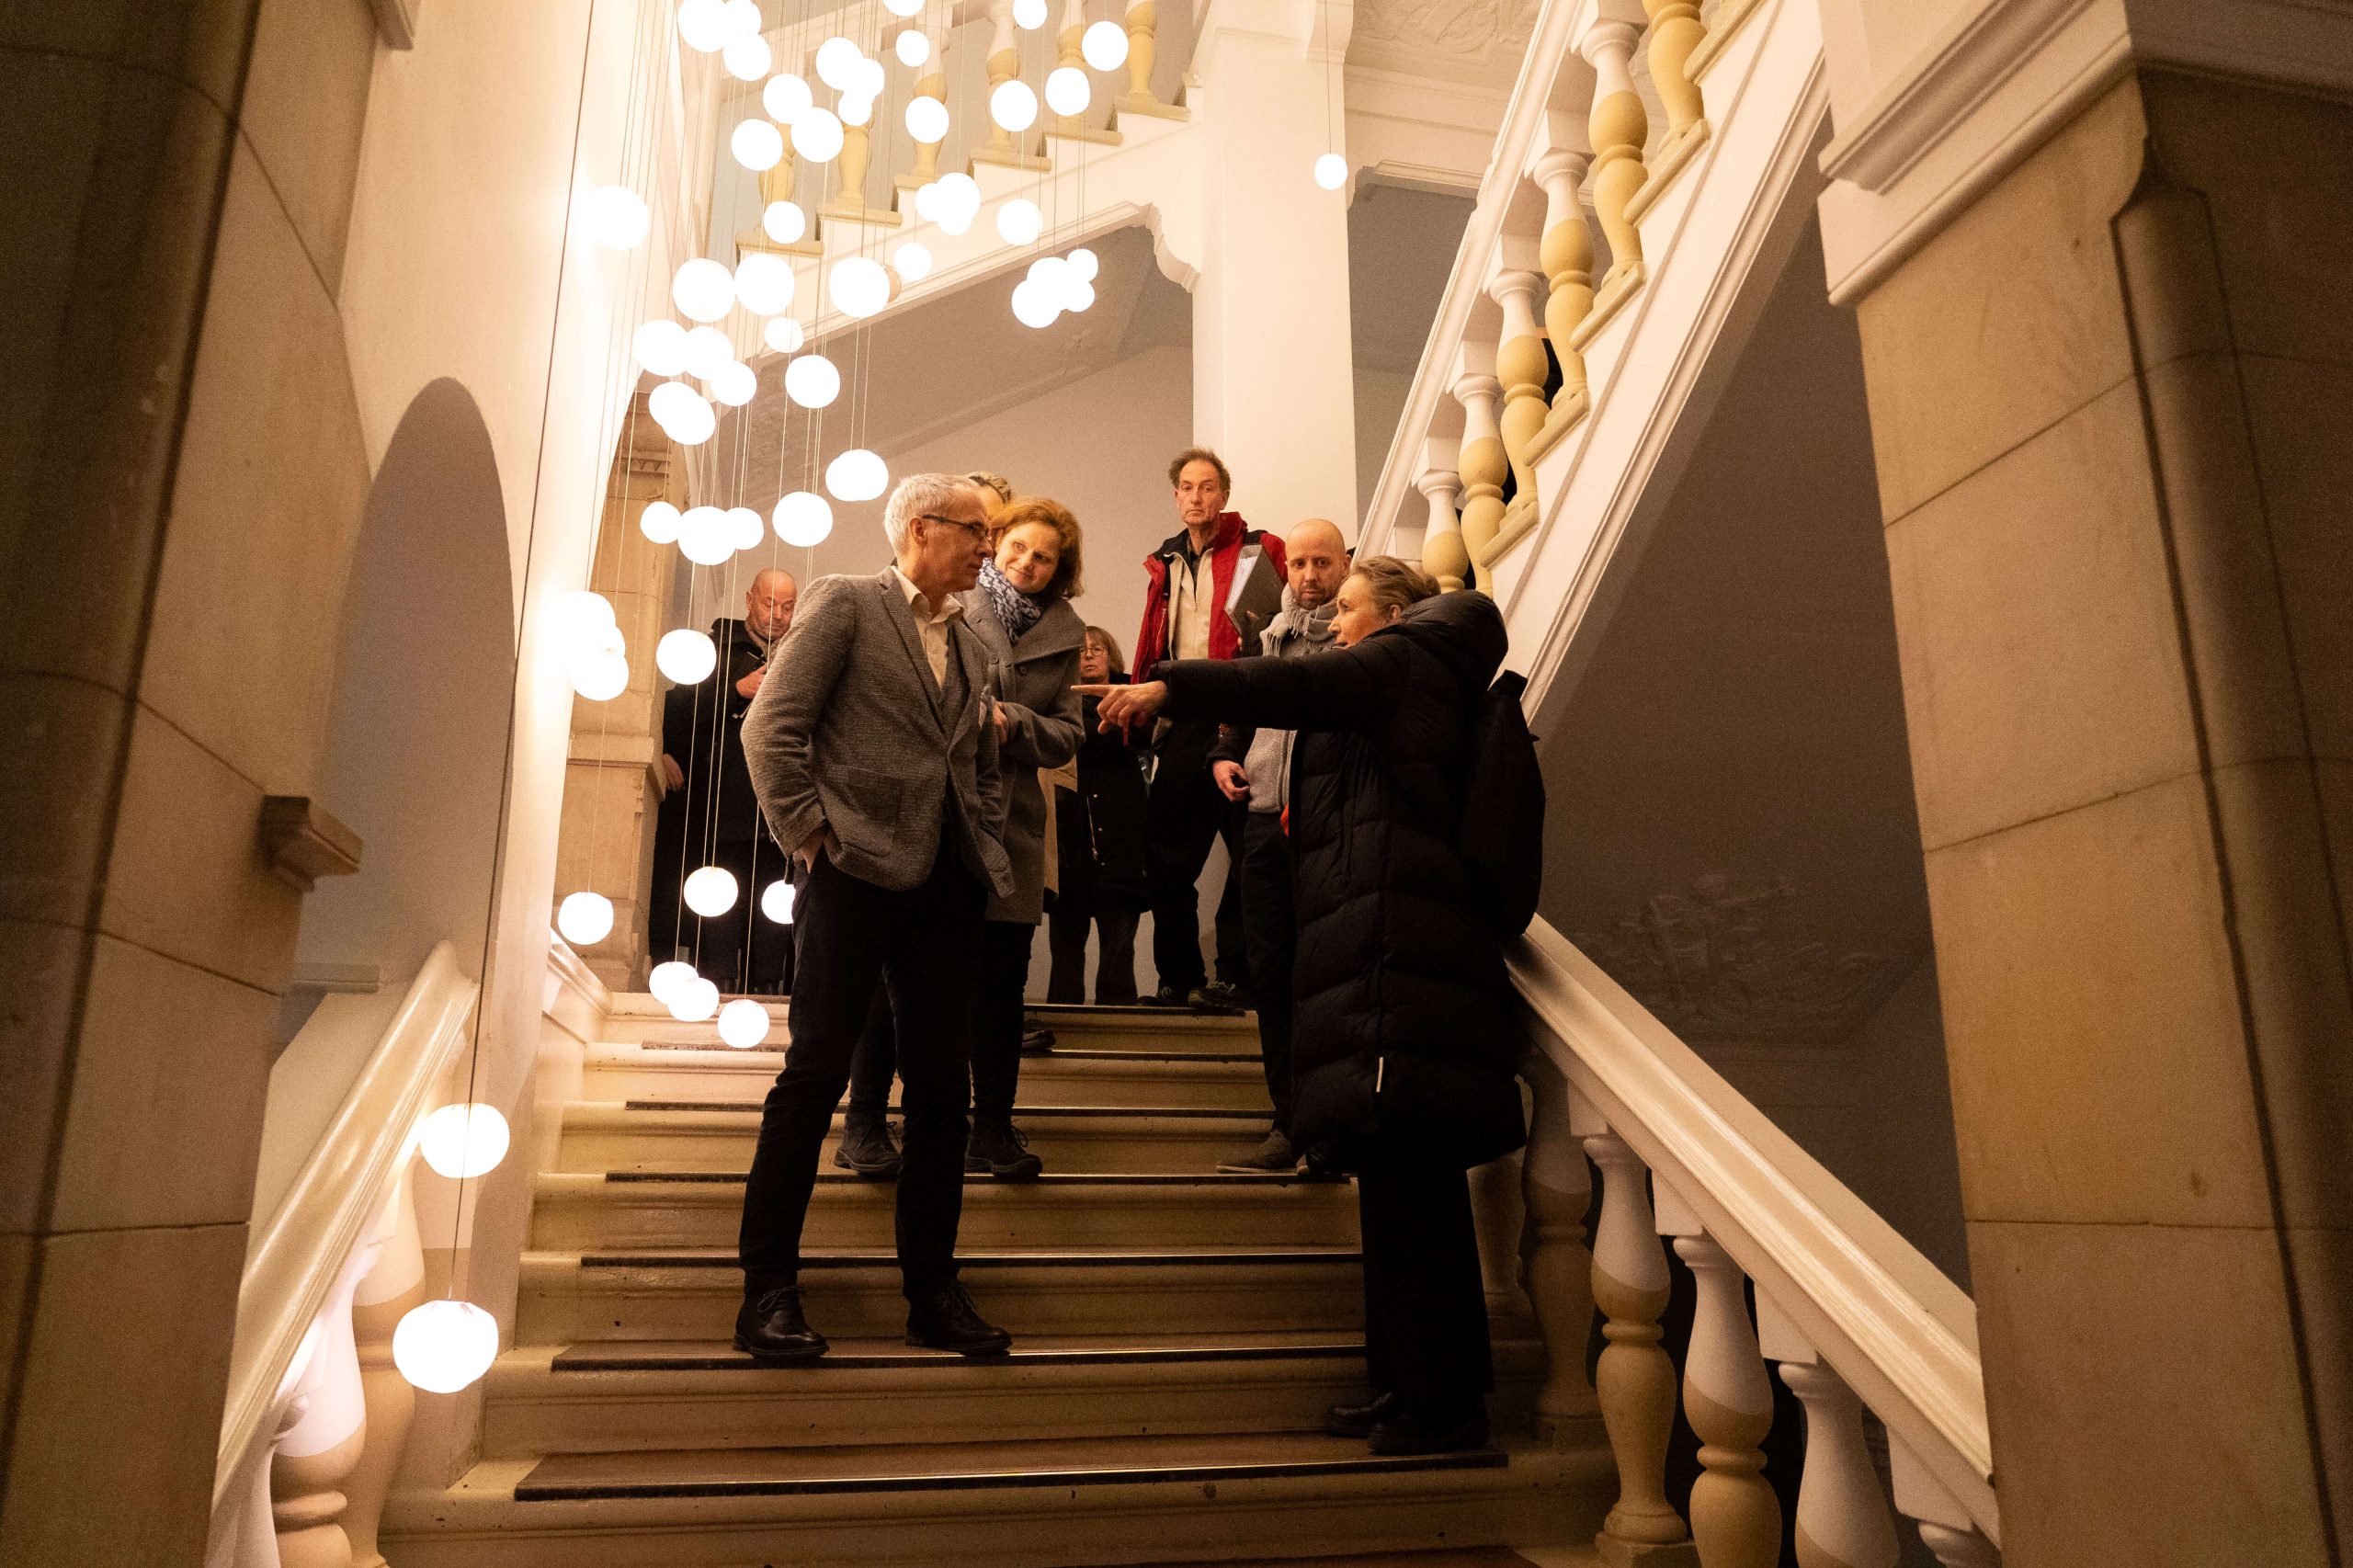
[316, 1414]
[1852, 1315]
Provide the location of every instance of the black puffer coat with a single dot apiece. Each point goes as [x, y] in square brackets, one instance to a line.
[1401, 1022]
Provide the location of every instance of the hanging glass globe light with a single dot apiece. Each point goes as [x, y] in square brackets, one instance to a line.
[686, 655]
[763, 281]
[741, 16]
[660, 346]
[601, 676]
[857, 475]
[903, 7]
[871, 81]
[747, 57]
[912, 48]
[1068, 92]
[758, 144]
[581, 623]
[1033, 306]
[703, 290]
[783, 334]
[913, 262]
[617, 217]
[927, 206]
[704, 25]
[585, 918]
[1030, 15]
[744, 1023]
[1077, 293]
[696, 424]
[442, 1346]
[463, 1142]
[812, 381]
[668, 976]
[1105, 46]
[735, 384]
[1084, 264]
[776, 902]
[694, 1001]
[659, 523]
[1013, 105]
[786, 97]
[745, 527]
[784, 223]
[711, 891]
[927, 121]
[956, 223]
[860, 287]
[708, 351]
[817, 136]
[856, 109]
[705, 537]
[1019, 221]
[803, 520]
[1331, 171]
[959, 192]
[838, 59]
[681, 411]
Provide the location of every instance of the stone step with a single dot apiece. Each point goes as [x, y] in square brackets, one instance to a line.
[1041, 1504]
[601, 1135]
[1074, 1210]
[1193, 1080]
[690, 1294]
[615, 1395]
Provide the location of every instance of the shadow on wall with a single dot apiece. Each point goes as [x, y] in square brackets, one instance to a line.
[416, 726]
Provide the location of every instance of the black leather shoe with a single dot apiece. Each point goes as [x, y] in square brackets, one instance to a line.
[865, 1148]
[944, 1319]
[1403, 1432]
[1356, 1420]
[1218, 996]
[999, 1149]
[1167, 997]
[769, 1327]
[1037, 1041]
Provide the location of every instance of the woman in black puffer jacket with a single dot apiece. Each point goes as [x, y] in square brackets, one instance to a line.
[1403, 1059]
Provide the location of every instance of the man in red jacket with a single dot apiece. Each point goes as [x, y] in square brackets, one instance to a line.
[1212, 582]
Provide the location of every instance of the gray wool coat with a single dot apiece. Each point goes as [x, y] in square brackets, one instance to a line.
[1033, 679]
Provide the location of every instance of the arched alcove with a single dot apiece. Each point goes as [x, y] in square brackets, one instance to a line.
[416, 724]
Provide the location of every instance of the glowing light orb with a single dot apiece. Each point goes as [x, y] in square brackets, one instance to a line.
[685, 656]
[927, 121]
[694, 1001]
[708, 352]
[913, 262]
[913, 49]
[617, 217]
[783, 334]
[585, 918]
[1013, 105]
[745, 527]
[1068, 91]
[1019, 221]
[703, 290]
[463, 1142]
[803, 520]
[1105, 46]
[857, 475]
[711, 891]
[1331, 171]
[704, 25]
[659, 523]
[744, 1023]
[758, 144]
[812, 381]
[705, 536]
[660, 346]
[817, 136]
[784, 223]
[747, 57]
[442, 1346]
[667, 976]
[859, 286]
[776, 902]
[786, 97]
[838, 59]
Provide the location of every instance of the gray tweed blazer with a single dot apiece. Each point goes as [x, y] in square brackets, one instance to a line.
[849, 733]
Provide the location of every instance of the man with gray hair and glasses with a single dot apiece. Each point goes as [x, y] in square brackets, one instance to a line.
[872, 748]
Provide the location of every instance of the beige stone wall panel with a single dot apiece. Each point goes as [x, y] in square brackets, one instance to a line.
[43, 963]
[198, 43]
[2301, 414]
[304, 106]
[55, 815]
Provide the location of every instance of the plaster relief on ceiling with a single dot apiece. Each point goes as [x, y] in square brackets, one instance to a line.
[1714, 963]
[1477, 40]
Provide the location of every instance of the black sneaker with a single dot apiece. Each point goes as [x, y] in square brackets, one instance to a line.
[1218, 996]
[1037, 1041]
[770, 1328]
[1358, 1420]
[1275, 1154]
[944, 1319]
[1403, 1432]
[999, 1149]
[865, 1148]
[1167, 997]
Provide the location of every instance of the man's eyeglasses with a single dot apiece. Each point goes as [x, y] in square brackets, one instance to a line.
[978, 530]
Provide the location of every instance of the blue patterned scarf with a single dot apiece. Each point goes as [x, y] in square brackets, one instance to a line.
[1016, 611]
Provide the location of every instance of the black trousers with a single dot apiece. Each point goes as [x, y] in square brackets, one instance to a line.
[996, 1030]
[1424, 1306]
[1115, 962]
[924, 944]
[740, 949]
[1270, 926]
[1184, 814]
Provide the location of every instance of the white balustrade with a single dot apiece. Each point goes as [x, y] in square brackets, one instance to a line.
[1635, 1378]
[1483, 465]
[1443, 556]
[1556, 1185]
[1728, 1400]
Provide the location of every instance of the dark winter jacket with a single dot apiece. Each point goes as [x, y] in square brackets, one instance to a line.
[1401, 1019]
[1099, 829]
[702, 727]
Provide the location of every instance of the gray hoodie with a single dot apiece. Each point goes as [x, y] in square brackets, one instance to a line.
[1265, 754]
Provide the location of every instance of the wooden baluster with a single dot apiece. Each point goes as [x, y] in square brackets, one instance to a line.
[1443, 556]
[1142, 23]
[1843, 1517]
[1500, 1221]
[394, 1286]
[1618, 125]
[1635, 1381]
[932, 83]
[1728, 1399]
[850, 167]
[1566, 255]
[1004, 65]
[1945, 1525]
[1556, 1184]
[1960, 1548]
[1522, 366]
[1676, 31]
[1483, 465]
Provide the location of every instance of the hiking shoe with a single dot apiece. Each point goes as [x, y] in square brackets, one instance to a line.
[1218, 996]
[865, 1148]
[999, 1149]
[1275, 1154]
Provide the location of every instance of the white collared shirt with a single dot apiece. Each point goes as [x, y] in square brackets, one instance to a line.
[931, 622]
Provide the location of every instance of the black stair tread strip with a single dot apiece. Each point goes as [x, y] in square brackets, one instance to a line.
[725, 1257]
[1121, 1112]
[1243, 1179]
[682, 1356]
[1115, 1461]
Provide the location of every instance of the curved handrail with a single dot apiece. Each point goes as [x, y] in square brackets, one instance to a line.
[298, 1252]
[1902, 1335]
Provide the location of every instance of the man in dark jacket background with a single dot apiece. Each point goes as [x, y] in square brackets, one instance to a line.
[1208, 581]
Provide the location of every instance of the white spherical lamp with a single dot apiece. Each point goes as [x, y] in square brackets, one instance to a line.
[812, 381]
[741, 16]
[1331, 171]
[1013, 105]
[927, 204]
[776, 902]
[694, 1001]
[735, 384]
[855, 109]
[784, 223]
[581, 621]
[763, 281]
[783, 334]
[758, 144]
[959, 192]
[859, 286]
[817, 136]
[1078, 294]
[617, 217]
[585, 918]
[711, 891]
[1068, 92]
[705, 537]
[870, 79]
[708, 351]
[660, 346]
[463, 1142]
[786, 97]
[442, 1346]
[1084, 264]
[803, 520]
[857, 475]
[704, 25]
[957, 222]
[1019, 223]
[703, 290]
[927, 121]
[683, 414]
[747, 57]
[1029, 14]
[903, 7]
[1033, 306]
[838, 59]
[913, 261]
[659, 523]
[668, 976]
[912, 48]
[601, 676]
[685, 656]
[743, 1023]
[745, 527]
[1105, 46]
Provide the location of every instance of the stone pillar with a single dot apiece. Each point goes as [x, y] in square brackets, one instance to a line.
[1271, 311]
[612, 782]
[2111, 399]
